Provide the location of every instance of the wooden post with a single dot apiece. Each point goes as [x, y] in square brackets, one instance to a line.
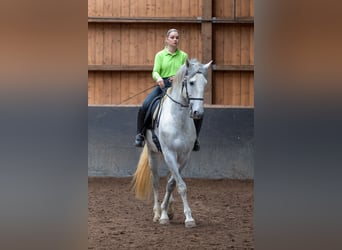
[206, 33]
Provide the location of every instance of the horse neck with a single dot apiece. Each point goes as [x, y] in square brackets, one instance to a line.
[176, 93]
[175, 109]
[176, 89]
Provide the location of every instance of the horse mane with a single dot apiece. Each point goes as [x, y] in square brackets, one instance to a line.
[194, 65]
[179, 75]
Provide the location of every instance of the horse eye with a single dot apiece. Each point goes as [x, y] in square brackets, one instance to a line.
[192, 83]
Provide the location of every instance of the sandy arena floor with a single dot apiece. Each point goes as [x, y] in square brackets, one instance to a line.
[223, 210]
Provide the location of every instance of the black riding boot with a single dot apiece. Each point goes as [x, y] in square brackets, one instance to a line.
[198, 125]
[139, 138]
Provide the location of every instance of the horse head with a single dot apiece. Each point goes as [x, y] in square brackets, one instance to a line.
[194, 83]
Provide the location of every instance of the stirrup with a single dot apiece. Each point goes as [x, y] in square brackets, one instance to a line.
[139, 140]
[196, 146]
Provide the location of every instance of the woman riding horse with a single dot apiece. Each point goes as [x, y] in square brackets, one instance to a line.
[176, 134]
[166, 63]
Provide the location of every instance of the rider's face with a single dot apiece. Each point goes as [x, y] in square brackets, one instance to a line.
[173, 39]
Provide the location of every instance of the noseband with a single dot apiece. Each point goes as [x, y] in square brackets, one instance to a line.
[185, 84]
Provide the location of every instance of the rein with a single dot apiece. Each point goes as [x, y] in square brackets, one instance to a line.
[182, 105]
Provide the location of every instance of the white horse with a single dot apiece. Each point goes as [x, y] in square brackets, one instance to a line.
[182, 103]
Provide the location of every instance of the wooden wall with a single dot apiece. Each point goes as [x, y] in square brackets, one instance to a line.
[124, 35]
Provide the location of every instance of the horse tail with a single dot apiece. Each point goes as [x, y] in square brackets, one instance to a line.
[142, 183]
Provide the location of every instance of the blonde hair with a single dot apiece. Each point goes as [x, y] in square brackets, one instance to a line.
[170, 31]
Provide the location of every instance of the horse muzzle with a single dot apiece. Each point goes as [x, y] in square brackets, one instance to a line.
[194, 114]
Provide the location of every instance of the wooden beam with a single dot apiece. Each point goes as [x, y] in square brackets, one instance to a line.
[233, 67]
[150, 67]
[207, 53]
[144, 20]
[120, 67]
[240, 20]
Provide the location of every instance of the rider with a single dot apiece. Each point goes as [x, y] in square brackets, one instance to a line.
[166, 64]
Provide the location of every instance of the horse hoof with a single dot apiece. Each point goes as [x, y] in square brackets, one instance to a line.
[170, 216]
[155, 219]
[164, 221]
[189, 224]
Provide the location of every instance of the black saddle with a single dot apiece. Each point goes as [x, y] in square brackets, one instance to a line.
[148, 121]
[151, 121]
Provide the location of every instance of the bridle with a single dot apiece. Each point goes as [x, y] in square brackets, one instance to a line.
[185, 85]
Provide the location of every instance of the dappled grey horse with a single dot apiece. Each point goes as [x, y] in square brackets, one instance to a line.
[176, 133]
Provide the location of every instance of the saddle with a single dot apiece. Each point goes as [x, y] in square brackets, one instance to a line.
[152, 118]
[149, 122]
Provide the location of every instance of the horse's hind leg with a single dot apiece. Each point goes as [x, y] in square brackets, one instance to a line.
[170, 209]
[156, 208]
[166, 206]
[155, 183]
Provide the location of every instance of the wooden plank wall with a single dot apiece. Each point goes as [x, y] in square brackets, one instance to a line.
[121, 50]
[234, 45]
[144, 8]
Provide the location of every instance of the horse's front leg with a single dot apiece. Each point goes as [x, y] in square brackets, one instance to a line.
[175, 169]
[189, 221]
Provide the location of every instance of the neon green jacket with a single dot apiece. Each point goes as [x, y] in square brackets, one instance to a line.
[167, 64]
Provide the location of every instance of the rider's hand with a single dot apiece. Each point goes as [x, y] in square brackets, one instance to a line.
[160, 82]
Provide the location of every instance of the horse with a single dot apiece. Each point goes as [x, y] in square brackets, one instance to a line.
[182, 102]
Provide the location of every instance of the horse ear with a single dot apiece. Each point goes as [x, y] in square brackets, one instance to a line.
[206, 66]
